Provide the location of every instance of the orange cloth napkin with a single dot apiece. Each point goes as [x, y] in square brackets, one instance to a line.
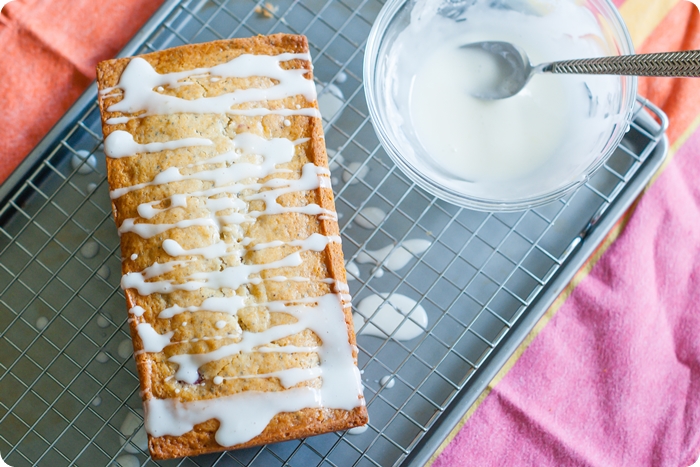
[50, 48]
[49, 52]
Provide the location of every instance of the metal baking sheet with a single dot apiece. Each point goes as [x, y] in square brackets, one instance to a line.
[68, 385]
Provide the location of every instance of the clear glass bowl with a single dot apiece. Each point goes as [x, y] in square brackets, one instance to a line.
[419, 166]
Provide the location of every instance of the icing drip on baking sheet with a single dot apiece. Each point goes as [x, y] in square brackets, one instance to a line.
[231, 182]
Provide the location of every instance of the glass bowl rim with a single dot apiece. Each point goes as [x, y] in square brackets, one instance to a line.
[374, 42]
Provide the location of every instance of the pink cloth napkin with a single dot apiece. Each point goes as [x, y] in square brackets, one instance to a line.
[614, 378]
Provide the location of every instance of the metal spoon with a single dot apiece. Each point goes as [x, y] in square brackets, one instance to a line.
[517, 69]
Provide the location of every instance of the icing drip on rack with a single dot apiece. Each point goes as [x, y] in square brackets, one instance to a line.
[231, 183]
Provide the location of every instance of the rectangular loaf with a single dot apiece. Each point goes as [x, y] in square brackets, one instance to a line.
[232, 264]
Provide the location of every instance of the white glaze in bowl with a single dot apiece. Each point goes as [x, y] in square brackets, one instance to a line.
[566, 131]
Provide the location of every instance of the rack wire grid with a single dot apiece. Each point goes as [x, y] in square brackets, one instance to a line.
[69, 393]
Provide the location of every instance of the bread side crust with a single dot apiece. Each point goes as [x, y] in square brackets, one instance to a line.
[284, 426]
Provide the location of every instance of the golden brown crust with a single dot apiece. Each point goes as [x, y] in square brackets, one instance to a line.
[155, 371]
[284, 427]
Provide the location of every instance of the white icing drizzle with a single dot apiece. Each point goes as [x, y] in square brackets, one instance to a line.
[157, 269]
[309, 180]
[231, 277]
[171, 417]
[121, 144]
[286, 349]
[139, 82]
[152, 341]
[215, 250]
[329, 217]
[243, 416]
[145, 230]
[325, 182]
[229, 305]
[148, 211]
[228, 178]
[274, 151]
[288, 378]
[306, 316]
[261, 112]
[315, 242]
[117, 120]
[160, 341]
[344, 290]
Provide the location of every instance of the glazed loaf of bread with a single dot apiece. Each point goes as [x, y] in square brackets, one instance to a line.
[232, 264]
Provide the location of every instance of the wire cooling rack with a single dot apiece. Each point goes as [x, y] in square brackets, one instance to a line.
[68, 385]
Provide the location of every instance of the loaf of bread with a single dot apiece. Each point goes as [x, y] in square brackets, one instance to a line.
[232, 264]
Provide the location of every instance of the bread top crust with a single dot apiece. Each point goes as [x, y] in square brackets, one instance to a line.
[197, 210]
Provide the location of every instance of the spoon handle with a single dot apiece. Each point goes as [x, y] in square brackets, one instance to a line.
[657, 64]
